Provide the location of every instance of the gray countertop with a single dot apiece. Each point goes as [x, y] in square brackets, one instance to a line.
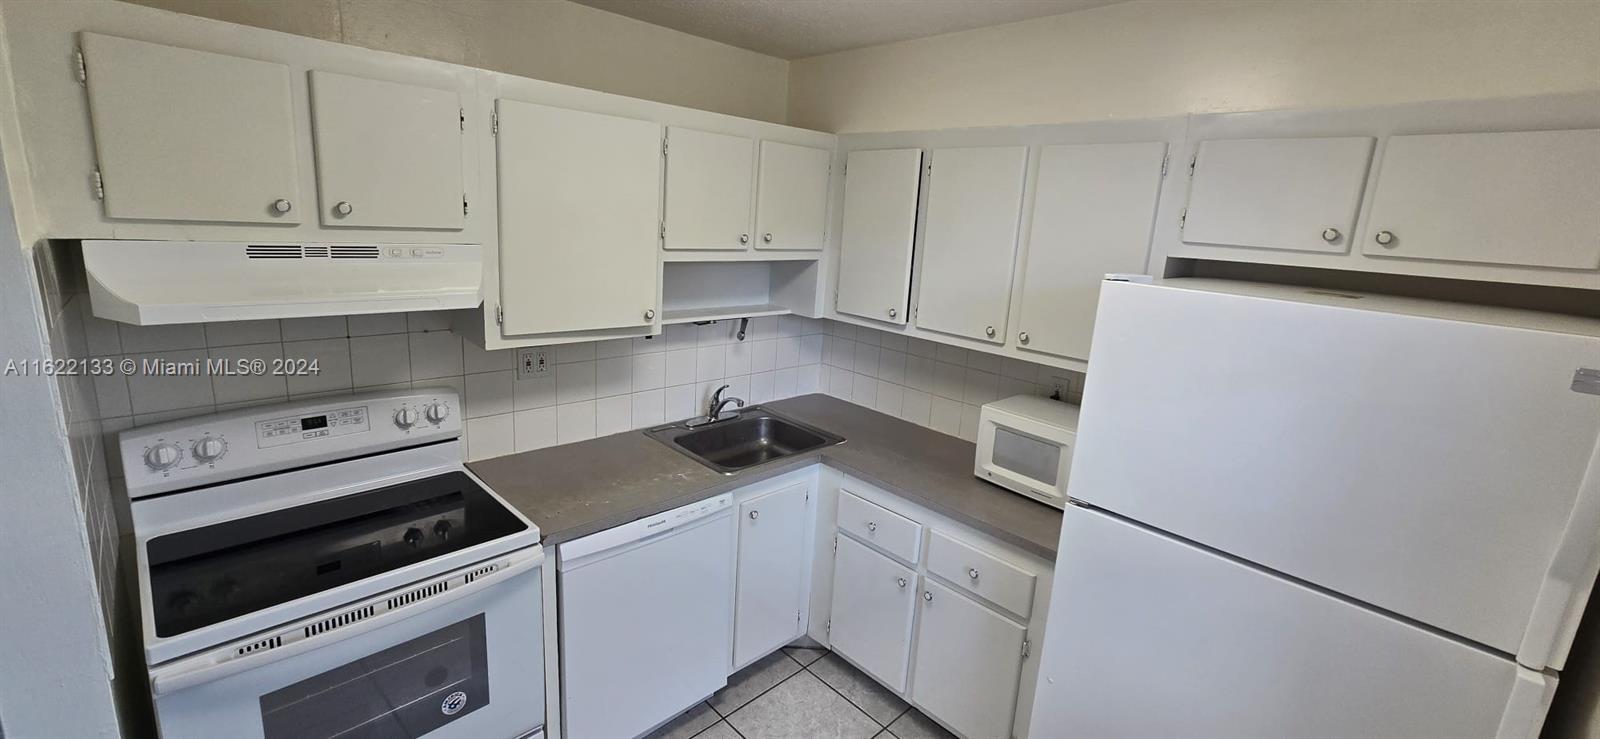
[577, 489]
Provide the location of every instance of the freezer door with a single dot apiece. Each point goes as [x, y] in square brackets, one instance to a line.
[1152, 637]
[1428, 467]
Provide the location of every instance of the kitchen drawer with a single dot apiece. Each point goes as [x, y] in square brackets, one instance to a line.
[896, 535]
[981, 574]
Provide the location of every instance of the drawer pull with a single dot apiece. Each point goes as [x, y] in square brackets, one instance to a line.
[872, 526]
[972, 572]
[901, 581]
[927, 595]
[755, 515]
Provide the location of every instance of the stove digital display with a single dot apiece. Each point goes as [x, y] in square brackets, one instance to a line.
[313, 422]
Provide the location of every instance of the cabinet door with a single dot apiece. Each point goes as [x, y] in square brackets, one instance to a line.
[880, 226]
[791, 197]
[580, 195]
[709, 178]
[969, 663]
[1293, 194]
[185, 135]
[1528, 198]
[873, 602]
[771, 592]
[1094, 208]
[971, 245]
[388, 155]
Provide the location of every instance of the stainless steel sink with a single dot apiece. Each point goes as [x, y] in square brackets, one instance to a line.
[754, 436]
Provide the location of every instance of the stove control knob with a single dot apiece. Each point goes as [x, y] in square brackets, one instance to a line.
[413, 536]
[209, 449]
[436, 413]
[162, 456]
[405, 417]
[442, 529]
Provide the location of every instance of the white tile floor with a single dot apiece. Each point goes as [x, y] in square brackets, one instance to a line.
[799, 693]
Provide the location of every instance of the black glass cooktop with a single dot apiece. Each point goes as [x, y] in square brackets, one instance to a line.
[208, 575]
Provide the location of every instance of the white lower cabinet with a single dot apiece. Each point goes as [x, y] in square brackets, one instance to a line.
[948, 633]
[873, 602]
[968, 664]
[771, 591]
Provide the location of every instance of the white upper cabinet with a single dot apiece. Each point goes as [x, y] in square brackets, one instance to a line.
[579, 205]
[1094, 209]
[792, 197]
[388, 155]
[709, 189]
[1529, 198]
[184, 135]
[880, 224]
[969, 663]
[1292, 194]
[974, 205]
[771, 574]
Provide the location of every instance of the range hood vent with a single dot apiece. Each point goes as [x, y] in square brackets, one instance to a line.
[158, 282]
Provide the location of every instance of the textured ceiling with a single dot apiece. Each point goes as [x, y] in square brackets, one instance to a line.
[791, 29]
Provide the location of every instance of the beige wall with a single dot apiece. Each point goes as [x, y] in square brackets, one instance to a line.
[1151, 58]
[552, 40]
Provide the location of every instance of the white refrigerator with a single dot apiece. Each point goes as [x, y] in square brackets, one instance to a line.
[1304, 513]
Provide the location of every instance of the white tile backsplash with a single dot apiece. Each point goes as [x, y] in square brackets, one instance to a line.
[613, 415]
[435, 354]
[321, 327]
[575, 421]
[934, 385]
[376, 324]
[613, 376]
[592, 388]
[248, 385]
[380, 360]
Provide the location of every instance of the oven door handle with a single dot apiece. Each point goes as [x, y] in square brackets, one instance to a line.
[224, 661]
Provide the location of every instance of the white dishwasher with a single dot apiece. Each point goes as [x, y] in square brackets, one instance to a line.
[646, 619]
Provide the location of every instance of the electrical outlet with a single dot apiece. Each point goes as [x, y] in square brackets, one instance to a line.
[1060, 385]
[532, 362]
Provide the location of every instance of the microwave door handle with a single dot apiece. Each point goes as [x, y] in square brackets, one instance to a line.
[217, 663]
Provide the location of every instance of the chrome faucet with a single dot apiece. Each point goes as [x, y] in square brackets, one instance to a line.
[714, 411]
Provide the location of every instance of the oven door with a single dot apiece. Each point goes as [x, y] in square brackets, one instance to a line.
[1024, 455]
[459, 655]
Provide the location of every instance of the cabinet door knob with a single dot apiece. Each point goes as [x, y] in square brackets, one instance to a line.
[343, 208]
[1330, 235]
[755, 515]
[988, 331]
[1384, 238]
[744, 238]
[893, 312]
[901, 581]
[972, 572]
[871, 526]
[649, 314]
[282, 205]
[927, 595]
[766, 238]
[1023, 337]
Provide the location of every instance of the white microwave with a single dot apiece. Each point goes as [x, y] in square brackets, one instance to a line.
[1025, 445]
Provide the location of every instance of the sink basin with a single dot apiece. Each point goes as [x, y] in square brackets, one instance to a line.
[755, 436]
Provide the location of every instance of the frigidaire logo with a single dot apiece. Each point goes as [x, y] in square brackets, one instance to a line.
[453, 703]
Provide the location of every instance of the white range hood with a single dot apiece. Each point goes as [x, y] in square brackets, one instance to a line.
[157, 282]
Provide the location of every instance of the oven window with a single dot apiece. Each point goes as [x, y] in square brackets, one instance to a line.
[406, 690]
[212, 574]
[1026, 455]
